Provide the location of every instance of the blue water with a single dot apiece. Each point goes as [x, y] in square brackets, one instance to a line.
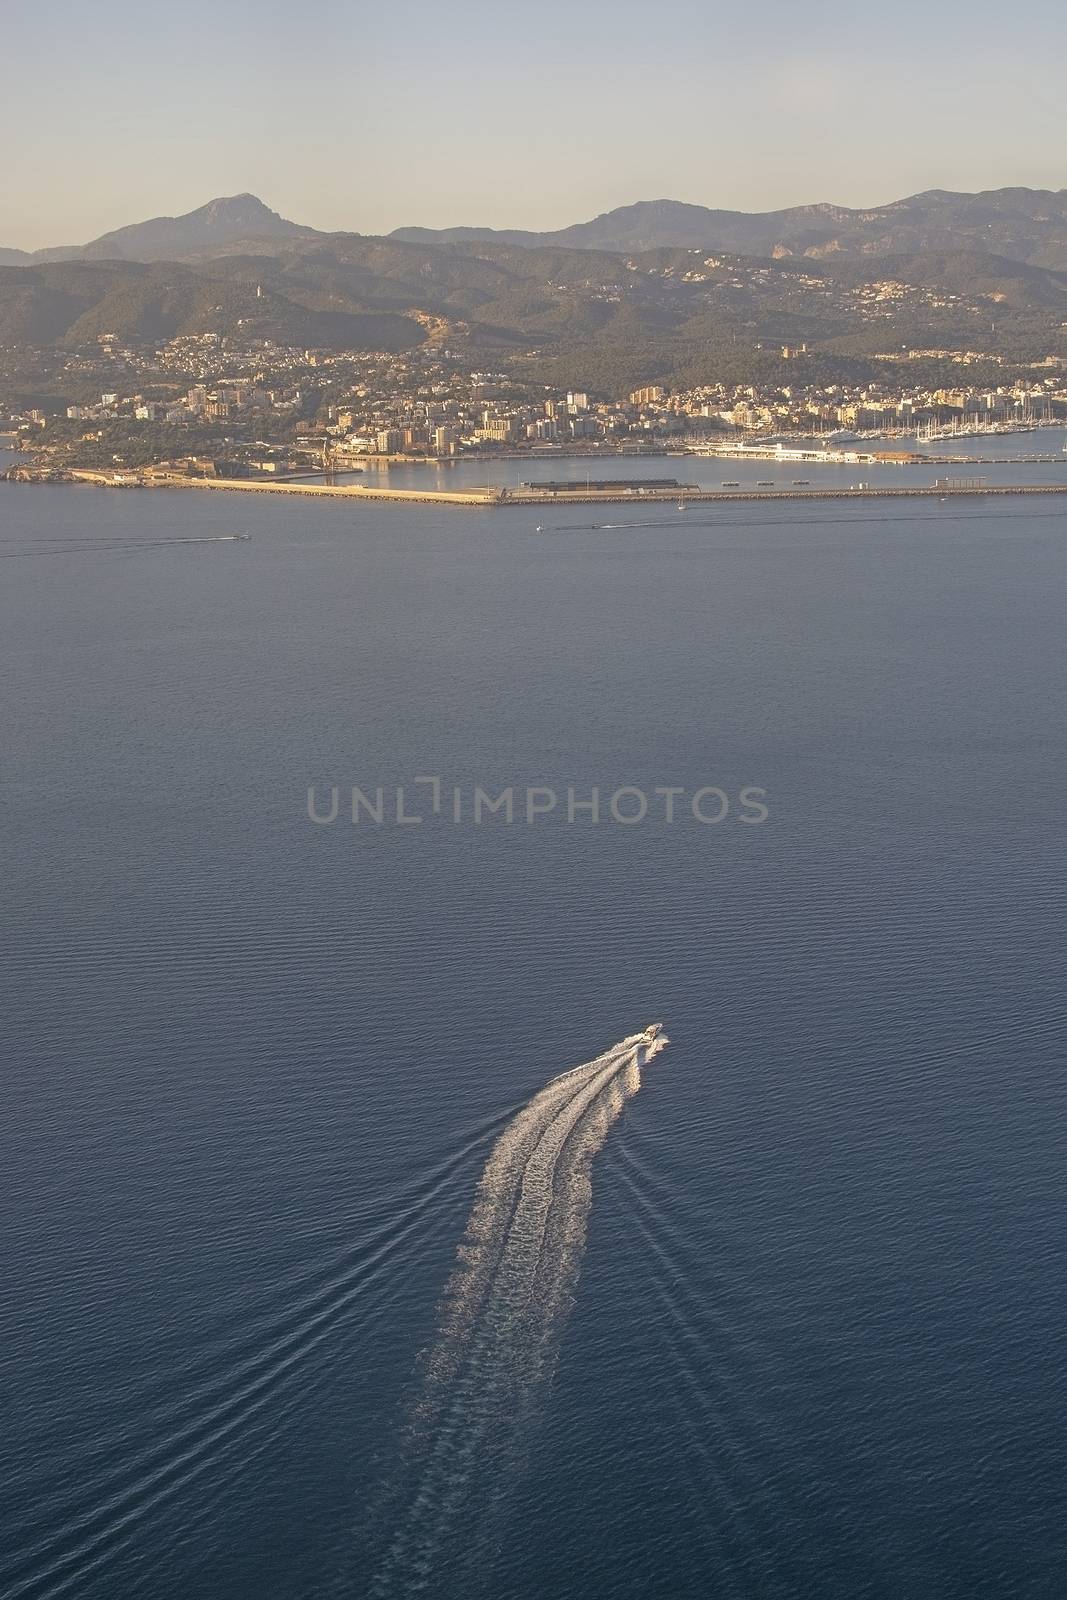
[255, 1066]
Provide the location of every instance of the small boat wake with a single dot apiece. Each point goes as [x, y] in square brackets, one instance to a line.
[502, 1316]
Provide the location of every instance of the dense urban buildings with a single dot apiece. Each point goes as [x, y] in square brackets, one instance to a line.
[209, 405]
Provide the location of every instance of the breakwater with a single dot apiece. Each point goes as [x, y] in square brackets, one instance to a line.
[722, 496]
[533, 498]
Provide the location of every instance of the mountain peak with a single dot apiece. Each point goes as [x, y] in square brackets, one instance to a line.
[221, 224]
[235, 205]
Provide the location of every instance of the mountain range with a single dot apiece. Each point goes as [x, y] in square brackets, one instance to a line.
[562, 309]
[1022, 224]
[1028, 225]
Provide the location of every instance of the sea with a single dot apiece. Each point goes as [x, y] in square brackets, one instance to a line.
[357, 1242]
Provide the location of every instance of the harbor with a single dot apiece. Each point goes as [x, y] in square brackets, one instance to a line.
[757, 471]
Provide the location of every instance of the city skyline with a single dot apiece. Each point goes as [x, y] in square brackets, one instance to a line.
[471, 117]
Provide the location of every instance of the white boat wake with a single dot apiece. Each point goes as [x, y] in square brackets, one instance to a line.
[502, 1315]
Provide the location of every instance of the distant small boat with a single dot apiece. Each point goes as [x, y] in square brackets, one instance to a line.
[682, 505]
[540, 528]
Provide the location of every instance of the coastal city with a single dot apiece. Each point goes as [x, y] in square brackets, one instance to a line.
[202, 406]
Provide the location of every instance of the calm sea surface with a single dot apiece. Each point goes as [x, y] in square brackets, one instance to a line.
[255, 1066]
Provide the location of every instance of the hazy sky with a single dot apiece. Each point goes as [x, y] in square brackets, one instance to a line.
[369, 117]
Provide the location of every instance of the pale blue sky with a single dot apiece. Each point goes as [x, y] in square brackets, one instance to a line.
[369, 117]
